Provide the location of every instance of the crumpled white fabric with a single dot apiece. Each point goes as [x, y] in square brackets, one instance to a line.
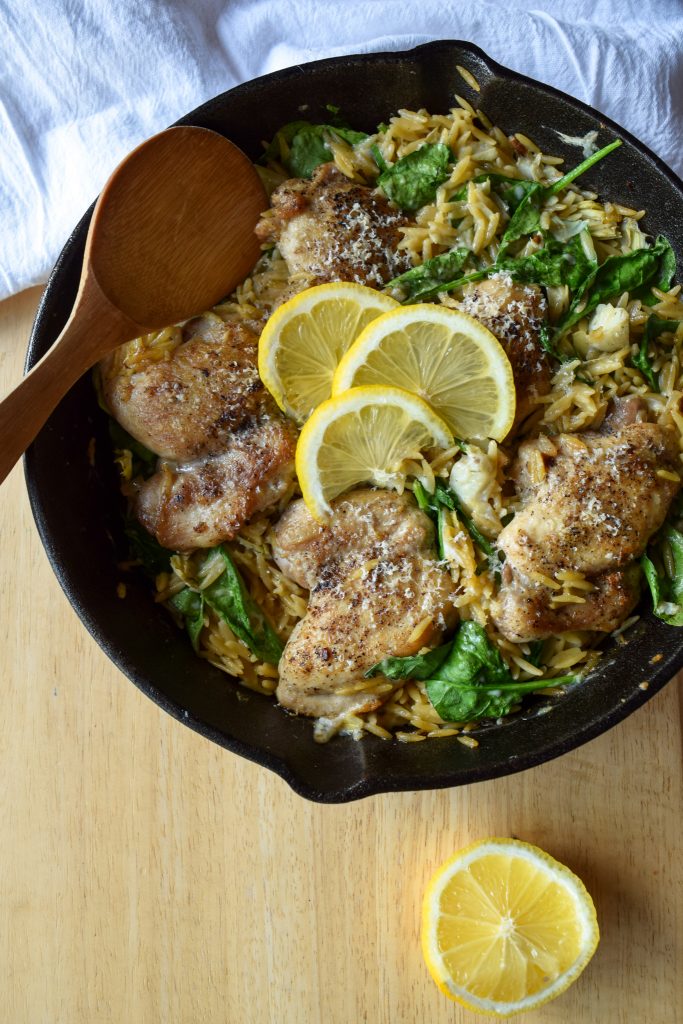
[83, 81]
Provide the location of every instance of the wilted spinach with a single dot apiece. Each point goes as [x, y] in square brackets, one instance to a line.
[143, 460]
[229, 598]
[466, 679]
[625, 273]
[382, 165]
[413, 180]
[416, 666]
[444, 497]
[307, 146]
[146, 549]
[190, 604]
[526, 218]
[653, 328]
[556, 263]
[667, 273]
[424, 280]
[667, 590]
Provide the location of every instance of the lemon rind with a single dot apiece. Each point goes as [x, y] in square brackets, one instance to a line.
[312, 433]
[366, 342]
[301, 305]
[559, 873]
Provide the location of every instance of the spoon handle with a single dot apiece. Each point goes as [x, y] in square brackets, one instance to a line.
[24, 411]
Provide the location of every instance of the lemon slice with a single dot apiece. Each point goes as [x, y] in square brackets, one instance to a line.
[445, 356]
[505, 927]
[305, 338]
[363, 436]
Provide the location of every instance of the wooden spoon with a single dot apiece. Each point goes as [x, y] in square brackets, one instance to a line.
[171, 234]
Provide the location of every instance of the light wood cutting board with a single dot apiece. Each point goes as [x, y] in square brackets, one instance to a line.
[148, 876]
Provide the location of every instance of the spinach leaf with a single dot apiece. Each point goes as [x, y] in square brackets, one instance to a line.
[526, 218]
[309, 148]
[467, 678]
[460, 702]
[667, 591]
[422, 280]
[422, 497]
[413, 180]
[190, 604]
[549, 346]
[428, 503]
[144, 461]
[667, 272]
[307, 145]
[553, 265]
[581, 168]
[535, 651]
[382, 165]
[473, 681]
[447, 497]
[448, 286]
[229, 597]
[653, 579]
[511, 190]
[667, 268]
[308, 151]
[625, 273]
[146, 548]
[653, 328]
[434, 504]
[284, 135]
[416, 666]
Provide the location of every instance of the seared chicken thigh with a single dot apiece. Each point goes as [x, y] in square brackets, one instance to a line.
[592, 507]
[226, 450]
[377, 591]
[332, 229]
[202, 503]
[515, 313]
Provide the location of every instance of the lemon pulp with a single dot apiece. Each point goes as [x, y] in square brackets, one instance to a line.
[363, 436]
[506, 927]
[303, 341]
[443, 355]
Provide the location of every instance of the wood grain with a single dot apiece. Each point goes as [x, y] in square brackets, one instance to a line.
[147, 875]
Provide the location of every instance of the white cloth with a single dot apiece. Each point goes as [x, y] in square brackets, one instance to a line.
[83, 81]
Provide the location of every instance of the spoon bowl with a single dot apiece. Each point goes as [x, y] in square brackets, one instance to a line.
[171, 234]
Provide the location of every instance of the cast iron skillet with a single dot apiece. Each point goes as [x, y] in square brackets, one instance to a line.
[76, 504]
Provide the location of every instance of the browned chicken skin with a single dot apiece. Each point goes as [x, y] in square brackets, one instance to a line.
[202, 503]
[376, 591]
[333, 229]
[515, 314]
[227, 452]
[602, 498]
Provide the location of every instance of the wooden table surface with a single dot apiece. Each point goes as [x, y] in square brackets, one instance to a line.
[147, 875]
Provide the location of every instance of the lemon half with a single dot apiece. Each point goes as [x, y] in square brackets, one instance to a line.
[444, 356]
[305, 338]
[363, 436]
[506, 927]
